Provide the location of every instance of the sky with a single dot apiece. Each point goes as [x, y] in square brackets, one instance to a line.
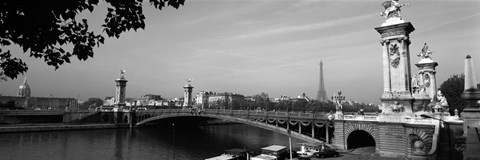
[254, 46]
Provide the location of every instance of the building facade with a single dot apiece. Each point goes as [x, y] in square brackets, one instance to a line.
[24, 100]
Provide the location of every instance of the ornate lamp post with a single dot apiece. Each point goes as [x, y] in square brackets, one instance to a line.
[338, 99]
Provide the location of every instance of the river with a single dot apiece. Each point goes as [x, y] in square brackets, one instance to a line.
[159, 143]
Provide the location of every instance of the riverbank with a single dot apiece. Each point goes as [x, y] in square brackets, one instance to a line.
[56, 127]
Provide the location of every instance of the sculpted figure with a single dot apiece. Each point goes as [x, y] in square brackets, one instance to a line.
[338, 101]
[441, 99]
[425, 54]
[339, 106]
[122, 73]
[415, 84]
[397, 107]
[392, 9]
[189, 80]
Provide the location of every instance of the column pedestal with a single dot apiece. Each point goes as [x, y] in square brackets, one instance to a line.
[471, 125]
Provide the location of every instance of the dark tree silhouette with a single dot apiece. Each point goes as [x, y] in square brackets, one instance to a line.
[452, 88]
[46, 28]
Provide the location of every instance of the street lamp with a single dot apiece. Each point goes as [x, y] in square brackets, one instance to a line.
[448, 129]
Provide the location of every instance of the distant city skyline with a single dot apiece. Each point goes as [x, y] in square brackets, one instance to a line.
[249, 47]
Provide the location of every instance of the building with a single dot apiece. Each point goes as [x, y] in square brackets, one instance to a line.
[224, 100]
[201, 99]
[148, 97]
[24, 100]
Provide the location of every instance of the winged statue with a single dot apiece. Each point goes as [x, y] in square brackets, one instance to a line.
[392, 8]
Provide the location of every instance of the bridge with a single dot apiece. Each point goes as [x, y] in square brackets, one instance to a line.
[392, 136]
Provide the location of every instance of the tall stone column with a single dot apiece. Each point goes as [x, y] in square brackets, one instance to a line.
[396, 67]
[424, 85]
[187, 96]
[471, 113]
[120, 90]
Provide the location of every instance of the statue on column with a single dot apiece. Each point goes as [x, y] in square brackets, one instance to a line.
[189, 81]
[392, 9]
[122, 74]
[338, 98]
[441, 99]
[425, 54]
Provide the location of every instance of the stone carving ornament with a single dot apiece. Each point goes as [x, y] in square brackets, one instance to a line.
[189, 81]
[122, 73]
[425, 54]
[392, 9]
[415, 84]
[426, 80]
[394, 55]
[397, 107]
[442, 99]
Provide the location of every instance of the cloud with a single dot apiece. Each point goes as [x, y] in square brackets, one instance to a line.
[304, 28]
[447, 23]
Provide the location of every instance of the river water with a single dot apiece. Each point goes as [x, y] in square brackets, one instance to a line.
[159, 143]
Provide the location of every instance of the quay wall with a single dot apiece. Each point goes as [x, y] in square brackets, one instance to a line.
[58, 127]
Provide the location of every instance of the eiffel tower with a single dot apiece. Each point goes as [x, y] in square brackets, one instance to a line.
[321, 94]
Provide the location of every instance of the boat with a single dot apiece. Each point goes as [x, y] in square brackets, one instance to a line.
[273, 152]
[307, 150]
[232, 154]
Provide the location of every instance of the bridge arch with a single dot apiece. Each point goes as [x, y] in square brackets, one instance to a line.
[360, 135]
[261, 123]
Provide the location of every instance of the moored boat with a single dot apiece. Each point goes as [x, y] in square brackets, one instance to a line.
[273, 152]
[232, 154]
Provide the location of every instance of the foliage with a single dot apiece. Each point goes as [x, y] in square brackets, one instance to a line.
[10, 105]
[453, 88]
[262, 101]
[91, 103]
[46, 28]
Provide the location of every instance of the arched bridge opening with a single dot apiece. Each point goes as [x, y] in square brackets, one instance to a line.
[170, 118]
[360, 138]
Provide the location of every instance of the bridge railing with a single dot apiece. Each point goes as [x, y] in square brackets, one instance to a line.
[238, 113]
[365, 117]
[360, 117]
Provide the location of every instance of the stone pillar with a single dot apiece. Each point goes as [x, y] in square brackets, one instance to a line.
[131, 118]
[288, 124]
[471, 113]
[327, 136]
[427, 75]
[187, 96]
[120, 90]
[313, 129]
[427, 78]
[396, 66]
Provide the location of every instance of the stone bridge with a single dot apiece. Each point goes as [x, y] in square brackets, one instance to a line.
[305, 126]
[392, 136]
